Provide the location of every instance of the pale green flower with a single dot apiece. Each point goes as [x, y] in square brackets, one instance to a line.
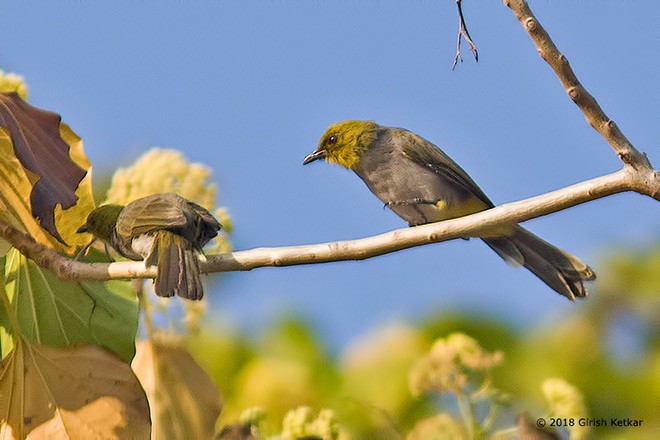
[439, 427]
[253, 415]
[162, 170]
[566, 402]
[301, 423]
[11, 82]
[449, 363]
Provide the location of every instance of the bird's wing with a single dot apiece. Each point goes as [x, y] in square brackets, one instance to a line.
[205, 216]
[427, 155]
[160, 211]
[206, 226]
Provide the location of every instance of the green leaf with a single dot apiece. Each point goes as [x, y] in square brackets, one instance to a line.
[6, 341]
[51, 311]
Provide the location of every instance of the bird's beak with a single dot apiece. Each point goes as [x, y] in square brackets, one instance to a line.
[82, 229]
[316, 155]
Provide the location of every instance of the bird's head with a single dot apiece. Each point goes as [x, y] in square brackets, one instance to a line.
[102, 221]
[344, 143]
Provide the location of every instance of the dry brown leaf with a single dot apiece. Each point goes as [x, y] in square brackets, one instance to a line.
[75, 392]
[44, 172]
[184, 402]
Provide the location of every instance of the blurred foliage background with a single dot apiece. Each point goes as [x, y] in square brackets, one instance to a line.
[608, 348]
[600, 361]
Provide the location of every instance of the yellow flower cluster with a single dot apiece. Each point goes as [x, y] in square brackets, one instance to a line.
[161, 170]
[300, 423]
[253, 415]
[566, 402]
[164, 170]
[447, 366]
[441, 426]
[10, 82]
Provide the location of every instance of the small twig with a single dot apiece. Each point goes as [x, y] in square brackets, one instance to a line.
[463, 33]
[466, 408]
[390, 421]
[138, 285]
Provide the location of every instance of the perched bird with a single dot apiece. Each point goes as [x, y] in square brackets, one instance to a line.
[421, 184]
[165, 230]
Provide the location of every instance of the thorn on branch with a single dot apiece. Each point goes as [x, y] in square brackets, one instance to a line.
[463, 33]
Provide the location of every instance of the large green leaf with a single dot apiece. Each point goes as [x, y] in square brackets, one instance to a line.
[6, 341]
[51, 311]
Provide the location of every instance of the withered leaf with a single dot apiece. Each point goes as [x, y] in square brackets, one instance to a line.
[184, 402]
[35, 134]
[74, 392]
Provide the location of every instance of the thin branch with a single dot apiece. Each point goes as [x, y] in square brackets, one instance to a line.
[463, 33]
[469, 226]
[594, 114]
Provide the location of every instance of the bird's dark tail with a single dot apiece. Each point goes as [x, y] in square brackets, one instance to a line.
[178, 267]
[563, 272]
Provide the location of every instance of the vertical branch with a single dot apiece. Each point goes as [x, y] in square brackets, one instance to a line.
[145, 307]
[463, 33]
[14, 327]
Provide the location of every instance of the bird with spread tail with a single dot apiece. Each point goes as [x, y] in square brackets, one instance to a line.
[167, 231]
[421, 184]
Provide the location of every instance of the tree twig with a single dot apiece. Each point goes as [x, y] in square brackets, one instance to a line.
[463, 33]
[596, 117]
[469, 226]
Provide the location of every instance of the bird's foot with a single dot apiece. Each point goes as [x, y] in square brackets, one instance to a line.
[107, 252]
[83, 251]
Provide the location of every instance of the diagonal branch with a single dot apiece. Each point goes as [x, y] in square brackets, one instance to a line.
[594, 114]
[470, 226]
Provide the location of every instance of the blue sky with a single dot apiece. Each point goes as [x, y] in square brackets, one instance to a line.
[249, 87]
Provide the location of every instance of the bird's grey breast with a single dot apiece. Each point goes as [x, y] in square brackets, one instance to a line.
[406, 187]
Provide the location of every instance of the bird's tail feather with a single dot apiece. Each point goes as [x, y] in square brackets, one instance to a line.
[561, 271]
[178, 267]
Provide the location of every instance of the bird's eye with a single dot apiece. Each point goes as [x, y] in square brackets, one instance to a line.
[332, 140]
